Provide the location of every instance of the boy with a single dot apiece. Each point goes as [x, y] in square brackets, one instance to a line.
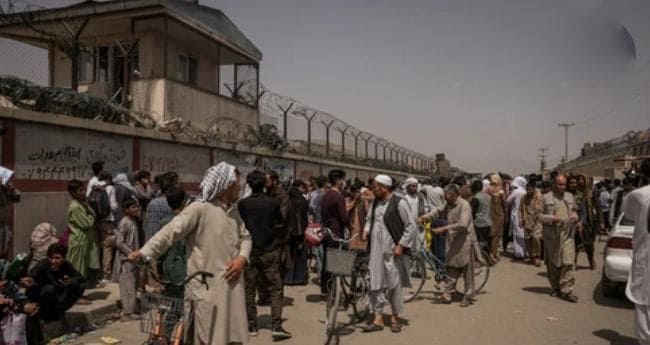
[54, 284]
[83, 252]
[173, 264]
[125, 272]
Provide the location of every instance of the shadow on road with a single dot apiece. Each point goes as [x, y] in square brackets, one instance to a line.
[98, 295]
[544, 290]
[614, 337]
[314, 298]
[542, 274]
[287, 301]
[265, 321]
[617, 302]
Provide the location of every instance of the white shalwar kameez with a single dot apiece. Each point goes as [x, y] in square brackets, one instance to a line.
[636, 207]
[518, 233]
[388, 273]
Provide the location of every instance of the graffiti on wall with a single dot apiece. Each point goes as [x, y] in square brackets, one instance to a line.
[59, 156]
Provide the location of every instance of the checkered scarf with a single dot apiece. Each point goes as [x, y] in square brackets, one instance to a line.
[216, 181]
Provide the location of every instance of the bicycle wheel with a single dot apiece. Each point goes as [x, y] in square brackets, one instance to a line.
[481, 274]
[331, 309]
[418, 275]
[361, 294]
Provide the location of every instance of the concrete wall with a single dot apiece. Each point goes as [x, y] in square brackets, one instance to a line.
[159, 158]
[150, 50]
[62, 71]
[305, 170]
[45, 159]
[167, 99]
[47, 150]
[203, 107]
[364, 175]
[149, 97]
[61, 154]
[604, 167]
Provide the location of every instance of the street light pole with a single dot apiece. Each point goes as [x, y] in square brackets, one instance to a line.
[566, 138]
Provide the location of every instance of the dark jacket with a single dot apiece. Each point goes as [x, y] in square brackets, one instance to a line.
[296, 221]
[334, 214]
[43, 274]
[262, 216]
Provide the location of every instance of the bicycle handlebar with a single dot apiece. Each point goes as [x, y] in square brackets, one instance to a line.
[335, 238]
[145, 263]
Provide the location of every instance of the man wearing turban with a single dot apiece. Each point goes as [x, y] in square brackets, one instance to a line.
[217, 242]
[390, 231]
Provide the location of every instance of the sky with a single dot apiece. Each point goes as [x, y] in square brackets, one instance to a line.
[484, 81]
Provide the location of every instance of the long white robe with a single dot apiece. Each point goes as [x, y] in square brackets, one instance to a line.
[388, 273]
[214, 236]
[636, 206]
[518, 233]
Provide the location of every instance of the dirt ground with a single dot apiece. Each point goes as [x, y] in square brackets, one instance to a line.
[515, 309]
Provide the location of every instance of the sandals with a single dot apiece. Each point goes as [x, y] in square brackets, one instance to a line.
[395, 327]
[373, 327]
[569, 297]
[444, 300]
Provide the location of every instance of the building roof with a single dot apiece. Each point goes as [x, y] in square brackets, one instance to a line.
[209, 20]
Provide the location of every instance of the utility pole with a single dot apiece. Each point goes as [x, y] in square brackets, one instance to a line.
[566, 138]
[542, 156]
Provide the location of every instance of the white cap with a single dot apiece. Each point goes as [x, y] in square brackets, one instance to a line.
[411, 180]
[385, 180]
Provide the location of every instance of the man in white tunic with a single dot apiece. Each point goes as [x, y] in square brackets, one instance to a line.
[636, 206]
[417, 204]
[218, 242]
[390, 231]
[514, 200]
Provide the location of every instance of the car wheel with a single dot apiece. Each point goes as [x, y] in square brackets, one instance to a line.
[609, 288]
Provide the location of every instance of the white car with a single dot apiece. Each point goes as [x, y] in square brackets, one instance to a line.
[618, 257]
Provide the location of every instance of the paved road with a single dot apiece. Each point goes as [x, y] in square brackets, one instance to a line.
[515, 309]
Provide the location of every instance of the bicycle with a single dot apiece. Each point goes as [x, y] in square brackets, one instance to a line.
[164, 316]
[342, 263]
[423, 260]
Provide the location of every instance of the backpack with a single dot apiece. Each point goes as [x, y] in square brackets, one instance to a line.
[98, 202]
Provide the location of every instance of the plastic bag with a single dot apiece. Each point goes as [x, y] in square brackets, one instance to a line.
[313, 235]
[12, 329]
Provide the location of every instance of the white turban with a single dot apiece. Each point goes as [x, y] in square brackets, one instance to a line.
[216, 180]
[5, 175]
[385, 180]
[519, 182]
[411, 180]
[486, 185]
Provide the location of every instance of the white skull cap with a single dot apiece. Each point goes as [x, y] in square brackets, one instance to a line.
[385, 180]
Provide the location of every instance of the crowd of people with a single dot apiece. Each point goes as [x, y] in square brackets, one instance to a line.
[253, 239]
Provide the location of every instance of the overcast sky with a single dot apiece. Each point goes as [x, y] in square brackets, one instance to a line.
[485, 81]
